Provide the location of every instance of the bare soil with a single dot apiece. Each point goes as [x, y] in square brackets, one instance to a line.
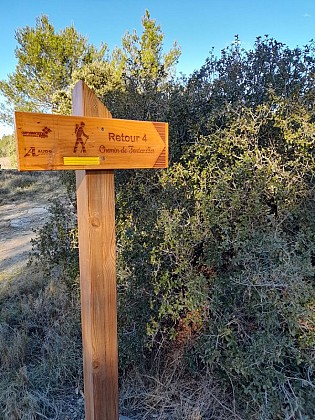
[21, 213]
[17, 224]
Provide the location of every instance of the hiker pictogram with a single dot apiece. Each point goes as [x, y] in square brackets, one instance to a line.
[79, 131]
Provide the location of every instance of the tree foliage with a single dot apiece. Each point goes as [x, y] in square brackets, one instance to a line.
[7, 145]
[249, 78]
[146, 65]
[45, 63]
[8, 149]
[139, 75]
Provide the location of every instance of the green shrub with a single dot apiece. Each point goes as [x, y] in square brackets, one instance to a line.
[233, 274]
[215, 257]
[56, 244]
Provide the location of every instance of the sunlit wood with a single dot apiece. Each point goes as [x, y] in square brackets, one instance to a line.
[56, 142]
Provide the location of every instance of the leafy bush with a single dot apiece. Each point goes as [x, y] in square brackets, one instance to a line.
[216, 261]
[55, 245]
[216, 256]
[233, 274]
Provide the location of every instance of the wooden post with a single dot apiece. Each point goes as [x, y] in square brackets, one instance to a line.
[96, 222]
[94, 147]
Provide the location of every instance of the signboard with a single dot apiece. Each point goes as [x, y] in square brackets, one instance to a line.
[53, 142]
[56, 142]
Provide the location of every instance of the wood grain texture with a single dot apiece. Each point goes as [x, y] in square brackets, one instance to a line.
[96, 220]
[56, 142]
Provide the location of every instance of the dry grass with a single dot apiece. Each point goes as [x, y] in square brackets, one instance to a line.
[16, 185]
[40, 346]
[173, 394]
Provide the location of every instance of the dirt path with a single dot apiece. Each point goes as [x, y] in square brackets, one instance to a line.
[24, 203]
[17, 223]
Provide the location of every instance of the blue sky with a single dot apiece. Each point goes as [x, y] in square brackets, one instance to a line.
[196, 25]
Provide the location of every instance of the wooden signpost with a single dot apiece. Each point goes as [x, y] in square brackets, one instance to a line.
[93, 144]
[50, 142]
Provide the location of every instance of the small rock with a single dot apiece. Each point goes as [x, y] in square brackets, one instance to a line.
[37, 211]
[4, 224]
[19, 223]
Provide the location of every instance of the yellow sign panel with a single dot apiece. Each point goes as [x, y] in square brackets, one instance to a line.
[54, 142]
[73, 161]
